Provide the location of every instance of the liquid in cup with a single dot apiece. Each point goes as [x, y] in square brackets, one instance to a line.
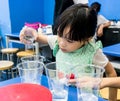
[57, 81]
[89, 80]
[33, 58]
[29, 37]
[30, 71]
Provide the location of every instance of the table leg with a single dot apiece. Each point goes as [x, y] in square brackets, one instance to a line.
[7, 42]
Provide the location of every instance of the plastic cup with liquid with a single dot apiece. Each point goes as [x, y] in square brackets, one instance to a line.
[57, 81]
[33, 58]
[89, 79]
[30, 71]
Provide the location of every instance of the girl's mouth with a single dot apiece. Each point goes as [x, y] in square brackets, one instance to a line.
[64, 50]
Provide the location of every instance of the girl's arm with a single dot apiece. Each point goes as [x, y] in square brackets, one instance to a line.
[110, 82]
[110, 72]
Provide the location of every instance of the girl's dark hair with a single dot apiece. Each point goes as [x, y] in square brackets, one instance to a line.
[82, 21]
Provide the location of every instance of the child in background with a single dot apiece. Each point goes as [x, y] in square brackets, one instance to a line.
[102, 22]
[73, 44]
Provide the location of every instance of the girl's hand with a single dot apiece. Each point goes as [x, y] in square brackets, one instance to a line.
[28, 35]
[86, 82]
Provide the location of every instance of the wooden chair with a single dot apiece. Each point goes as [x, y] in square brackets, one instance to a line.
[9, 52]
[23, 54]
[105, 91]
[6, 65]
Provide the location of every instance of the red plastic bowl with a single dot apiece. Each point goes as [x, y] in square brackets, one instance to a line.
[25, 92]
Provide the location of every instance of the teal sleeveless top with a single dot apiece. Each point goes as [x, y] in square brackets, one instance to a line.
[82, 56]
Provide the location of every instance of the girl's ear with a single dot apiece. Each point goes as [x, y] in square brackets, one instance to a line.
[90, 39]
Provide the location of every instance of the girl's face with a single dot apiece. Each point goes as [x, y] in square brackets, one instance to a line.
[67, 45]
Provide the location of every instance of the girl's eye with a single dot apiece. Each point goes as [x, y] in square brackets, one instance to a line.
[70, 41]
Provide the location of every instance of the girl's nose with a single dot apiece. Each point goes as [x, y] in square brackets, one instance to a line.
[62, 42]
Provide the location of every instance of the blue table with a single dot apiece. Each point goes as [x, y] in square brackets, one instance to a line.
[112, 50]
[72, 90]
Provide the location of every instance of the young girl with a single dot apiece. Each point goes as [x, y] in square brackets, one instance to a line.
[73, 43]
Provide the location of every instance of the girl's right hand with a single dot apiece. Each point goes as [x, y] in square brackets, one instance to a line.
[28, 35]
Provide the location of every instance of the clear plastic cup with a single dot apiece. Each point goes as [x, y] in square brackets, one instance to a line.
[33, 58]
[29, 36]
[30, 71]
[89, 79]
[57, 81]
